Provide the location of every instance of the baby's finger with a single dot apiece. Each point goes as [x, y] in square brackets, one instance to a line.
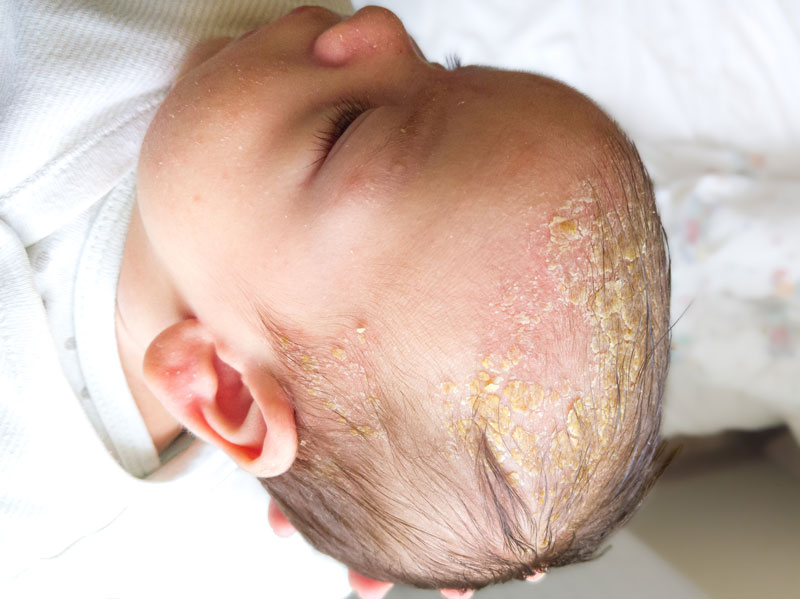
[535, 577]
[280, 525]
[367, 588]
[456, 594]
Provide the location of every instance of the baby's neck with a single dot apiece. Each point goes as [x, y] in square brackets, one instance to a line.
[146, 305]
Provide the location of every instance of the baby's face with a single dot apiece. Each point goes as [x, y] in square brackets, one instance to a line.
[321, 168]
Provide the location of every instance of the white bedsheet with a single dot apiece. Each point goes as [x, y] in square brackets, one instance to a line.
[710, 92]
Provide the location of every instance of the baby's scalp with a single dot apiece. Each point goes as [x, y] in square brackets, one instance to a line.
[502, 468]
[448, 338]
[550, 401]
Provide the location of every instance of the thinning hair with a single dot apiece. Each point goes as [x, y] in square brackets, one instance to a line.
[393, 508]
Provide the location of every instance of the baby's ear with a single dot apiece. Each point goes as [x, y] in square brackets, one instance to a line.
[247, 415]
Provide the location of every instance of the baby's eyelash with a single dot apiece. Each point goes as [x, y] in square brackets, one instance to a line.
[452, 62]
[344, 114]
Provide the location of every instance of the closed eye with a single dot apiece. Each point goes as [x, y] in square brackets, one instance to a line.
[344, 115]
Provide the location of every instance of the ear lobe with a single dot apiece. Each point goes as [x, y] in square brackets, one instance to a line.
[246, 415]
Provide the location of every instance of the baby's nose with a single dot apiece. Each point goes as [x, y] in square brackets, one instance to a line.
[373, 30]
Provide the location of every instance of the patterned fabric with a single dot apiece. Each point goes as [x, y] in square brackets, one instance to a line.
[733, 230]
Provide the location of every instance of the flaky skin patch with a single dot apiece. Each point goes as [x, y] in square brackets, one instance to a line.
[547, 397]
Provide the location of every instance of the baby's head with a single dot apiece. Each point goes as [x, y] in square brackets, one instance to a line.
[455, 280]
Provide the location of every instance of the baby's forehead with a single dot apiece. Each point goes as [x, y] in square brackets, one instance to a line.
[504, 307]
[512, 305]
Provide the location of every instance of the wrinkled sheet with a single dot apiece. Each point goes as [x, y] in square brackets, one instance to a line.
[710, 92]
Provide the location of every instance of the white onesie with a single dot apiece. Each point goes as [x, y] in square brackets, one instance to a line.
[79, 83]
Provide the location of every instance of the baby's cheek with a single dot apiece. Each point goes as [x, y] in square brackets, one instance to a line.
[201, 53]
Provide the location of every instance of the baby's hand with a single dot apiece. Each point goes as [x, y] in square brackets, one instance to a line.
[367, 588]
[364, 587]
[279, 523]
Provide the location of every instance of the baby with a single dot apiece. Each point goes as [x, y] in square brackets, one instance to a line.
[427, 306]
